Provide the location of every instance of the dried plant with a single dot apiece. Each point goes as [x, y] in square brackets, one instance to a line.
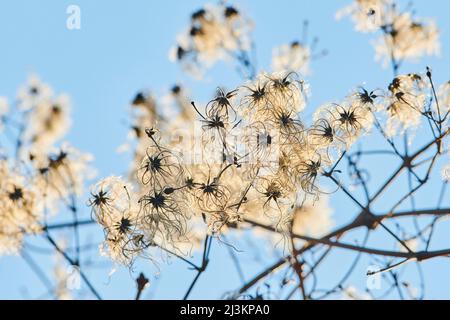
[250, 164]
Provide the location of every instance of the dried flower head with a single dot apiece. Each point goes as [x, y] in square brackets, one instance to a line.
[406, 101]
[50, 122]
[21, 209]
[216, 32]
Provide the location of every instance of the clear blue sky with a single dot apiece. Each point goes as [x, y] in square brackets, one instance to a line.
[122, 48]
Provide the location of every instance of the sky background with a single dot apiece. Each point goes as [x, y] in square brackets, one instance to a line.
[123, 48]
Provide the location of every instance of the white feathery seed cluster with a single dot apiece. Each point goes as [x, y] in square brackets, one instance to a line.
[404, 37]
[216, 32]
[38, 177]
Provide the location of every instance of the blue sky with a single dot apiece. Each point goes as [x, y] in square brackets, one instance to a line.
[123, 48]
